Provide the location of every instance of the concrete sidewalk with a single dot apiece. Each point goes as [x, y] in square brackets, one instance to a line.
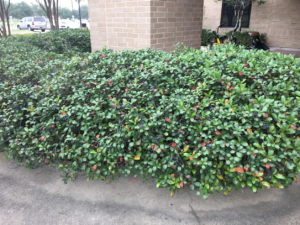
[287, 51]
[40, 197]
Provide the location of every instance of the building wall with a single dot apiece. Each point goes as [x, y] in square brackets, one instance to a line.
[174, 21]
[136, 24]
[119, 24]
[278, 19]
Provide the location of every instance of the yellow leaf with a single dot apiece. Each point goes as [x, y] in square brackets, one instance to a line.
[194, 152]
[172, 193]
[162, 92]
[99, 150]
[186, 148]
[225, 193]
[137, 158]
[220, 177]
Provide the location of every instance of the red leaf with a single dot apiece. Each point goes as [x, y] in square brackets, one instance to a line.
[126, 90]
[253, 154]
[102, 56]
[42, 138]
[193, 88]
[97, 137]
[181, 185]
[240, 73]
[95, 167]
[246, 64]
[46, 161]
[191, 157]
[173, 144]
[293, 127]
[141, 67]
[246, 168]
[133, 180]
[266, 114]
[121, 159]
[267, 166]
[203, 144]
[239, 169]
[168, 120]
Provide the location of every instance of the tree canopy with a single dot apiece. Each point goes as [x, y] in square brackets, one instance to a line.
[23, 9]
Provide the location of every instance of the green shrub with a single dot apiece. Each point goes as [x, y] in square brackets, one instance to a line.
[24, 35]
[206, 35]
[61, 41]
[214, 121]
[243, 37]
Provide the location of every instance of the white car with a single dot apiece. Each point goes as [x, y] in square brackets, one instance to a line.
[74, 24]
[62, 24]
[32, 23]
[88, 24]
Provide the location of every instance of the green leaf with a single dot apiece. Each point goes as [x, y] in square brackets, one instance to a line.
[266, 184]
[279, 176]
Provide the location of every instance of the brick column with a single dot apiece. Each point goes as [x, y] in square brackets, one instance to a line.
[136, 24]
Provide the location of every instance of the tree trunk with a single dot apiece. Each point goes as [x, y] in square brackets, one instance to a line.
[7, 18]
[2, 16]
[55, 13]
[48, 10]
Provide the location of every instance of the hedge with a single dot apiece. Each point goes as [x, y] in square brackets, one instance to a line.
[61, 41]
[209, 121]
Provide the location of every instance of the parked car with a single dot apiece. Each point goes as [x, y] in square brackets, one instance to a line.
[73, 24]
[63, 24]
[32, 23]
[88, 24]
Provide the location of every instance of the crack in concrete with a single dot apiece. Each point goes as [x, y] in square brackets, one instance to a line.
[193, 211]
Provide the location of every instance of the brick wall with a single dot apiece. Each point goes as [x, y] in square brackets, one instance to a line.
[277, 18]
[136, 24]
[174, 21]
[119, 24]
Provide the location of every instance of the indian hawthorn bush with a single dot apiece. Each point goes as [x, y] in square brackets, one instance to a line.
[210, 121]
[61, 41]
